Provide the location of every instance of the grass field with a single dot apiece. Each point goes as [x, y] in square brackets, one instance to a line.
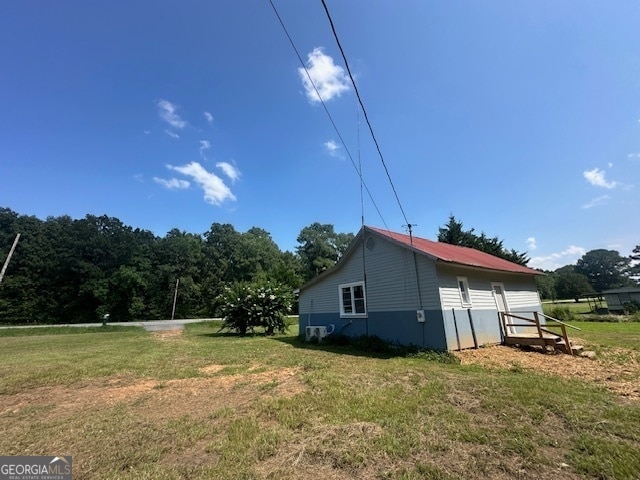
[128, 404]
[604, 335]
[578, 308]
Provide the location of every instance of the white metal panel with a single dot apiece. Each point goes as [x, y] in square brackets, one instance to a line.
[520, 290]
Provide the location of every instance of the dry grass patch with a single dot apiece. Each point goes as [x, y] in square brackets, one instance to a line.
[156, 399]
[167, 335]
[616, 369]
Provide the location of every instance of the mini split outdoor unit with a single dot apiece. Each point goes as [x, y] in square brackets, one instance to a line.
[318, 332]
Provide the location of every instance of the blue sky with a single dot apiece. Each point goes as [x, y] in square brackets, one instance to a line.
[520, 118]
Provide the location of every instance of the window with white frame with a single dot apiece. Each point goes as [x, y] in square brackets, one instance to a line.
[463, 288]
[353, 302]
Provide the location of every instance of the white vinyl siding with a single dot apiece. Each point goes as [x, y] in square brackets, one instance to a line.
[391, 279]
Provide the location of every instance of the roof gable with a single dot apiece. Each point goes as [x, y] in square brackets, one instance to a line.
[453, 254]
[437, 251]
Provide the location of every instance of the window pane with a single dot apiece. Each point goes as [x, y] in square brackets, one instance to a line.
[359, 303]
[346, 300]
[358, 292]
[463, 292]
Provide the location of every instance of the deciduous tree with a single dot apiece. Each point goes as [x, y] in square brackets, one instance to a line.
[320, 247]
[605, 269]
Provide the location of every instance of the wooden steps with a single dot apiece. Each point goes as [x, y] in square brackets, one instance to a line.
[533, 333]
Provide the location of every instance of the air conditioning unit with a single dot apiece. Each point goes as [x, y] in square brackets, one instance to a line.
[318, 332]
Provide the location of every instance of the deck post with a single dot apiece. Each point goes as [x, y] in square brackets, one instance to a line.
[567, 343]
[503, 316]
[540, 334]
[501, 329]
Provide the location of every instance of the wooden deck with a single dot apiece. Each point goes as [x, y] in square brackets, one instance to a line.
[531, 331]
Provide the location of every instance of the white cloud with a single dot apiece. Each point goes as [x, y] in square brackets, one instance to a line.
[171, 134]
[172, 184]
[229, 170]
[531, 243]
[215, 190]
[574, 251]
[208, 116]
[333, 148]
[596, 201]
[204, 145]
[329, 79]
[147, 132]
[556, 260]
[596, 178]
[168, 113]
[610, 164]
[634, 156]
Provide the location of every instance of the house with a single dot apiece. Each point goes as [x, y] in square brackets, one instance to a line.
[618, 297]
[414, 291]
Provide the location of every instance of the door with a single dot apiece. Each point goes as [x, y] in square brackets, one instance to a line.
[501, 302]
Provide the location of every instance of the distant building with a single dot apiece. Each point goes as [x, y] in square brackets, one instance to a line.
[617, 298]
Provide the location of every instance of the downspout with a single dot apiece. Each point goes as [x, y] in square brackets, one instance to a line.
[364, 274]
[364, 262]
[415, 267]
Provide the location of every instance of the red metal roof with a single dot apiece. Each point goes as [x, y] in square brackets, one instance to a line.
[455, 254]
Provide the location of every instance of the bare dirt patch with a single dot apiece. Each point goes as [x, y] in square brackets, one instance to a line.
[171, 334]
[155, 398]
[618, 369]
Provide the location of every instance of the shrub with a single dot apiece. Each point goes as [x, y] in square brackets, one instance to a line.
[632, 307]
[562, 313]
[247, 305]
[376, 345]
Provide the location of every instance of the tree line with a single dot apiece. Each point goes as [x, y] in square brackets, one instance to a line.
[596, 271]
[69, 270]
[76, 270]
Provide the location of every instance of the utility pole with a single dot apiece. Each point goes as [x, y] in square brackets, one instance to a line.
[175, 297]
[6, 262]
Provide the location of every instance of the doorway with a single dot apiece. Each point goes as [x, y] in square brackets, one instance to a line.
[501, 302]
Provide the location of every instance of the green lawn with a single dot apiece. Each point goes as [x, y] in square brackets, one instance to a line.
[128, 404]
[609, 334]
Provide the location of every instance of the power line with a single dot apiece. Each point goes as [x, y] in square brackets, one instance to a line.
[358, 171]
[364, 111]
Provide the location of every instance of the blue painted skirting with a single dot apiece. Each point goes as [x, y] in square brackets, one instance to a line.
[396, 327]
[448, 330]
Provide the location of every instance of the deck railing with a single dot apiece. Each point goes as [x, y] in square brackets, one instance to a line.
[539, 336]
